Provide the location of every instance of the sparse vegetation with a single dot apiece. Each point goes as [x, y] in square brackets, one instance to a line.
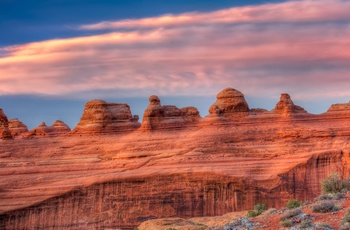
[324, 197]
[321, 225]
[291, 213]
[345, 222]
[293, 204]
[286, 223]
[258, 209]
[324, 207]
[306, 224]
[334, 184]
[199, 224]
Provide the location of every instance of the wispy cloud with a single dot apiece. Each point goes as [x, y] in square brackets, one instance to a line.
[302, 46]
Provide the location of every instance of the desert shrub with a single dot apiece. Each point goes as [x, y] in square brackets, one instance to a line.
[338, 196]
[252, 213]
[325, 207]
[291, 213]
[293, 204]
[271, 211]
[258, 209]
[346, 219]
[306, 224]
[333, 184]
[322, 225]
[324, 197]
[286, 223]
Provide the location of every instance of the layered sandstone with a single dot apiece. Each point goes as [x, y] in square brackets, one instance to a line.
[57, 128]
[229, 103]
[17, 127]
[202, 169]
[168, 117]
[287, 107]
[344, 107]
[102, 117]
[4, 130]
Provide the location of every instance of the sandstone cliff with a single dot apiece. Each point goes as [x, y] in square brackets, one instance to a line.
[167, 117]
[201, 169]
[102, 117]
[4, 130]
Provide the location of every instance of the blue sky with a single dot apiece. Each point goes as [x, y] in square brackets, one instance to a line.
[56, 55]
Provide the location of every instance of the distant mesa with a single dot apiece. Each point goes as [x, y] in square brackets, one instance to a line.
[157, 116]
[104, 117]
[4, 130]
[344, 107]
[230, 103]
[57, 128]
[17, 127]
[286, 106]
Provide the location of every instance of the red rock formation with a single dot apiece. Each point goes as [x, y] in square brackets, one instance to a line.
[4, 130]
[102, 117]
[230, 103]
[286, 106]
[168, 117]
[345, 107]
[57, 128]
[17, 127]
[104, 182]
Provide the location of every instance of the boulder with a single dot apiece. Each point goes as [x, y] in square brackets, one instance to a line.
[169, 117]
[230, 103]
[102, 117]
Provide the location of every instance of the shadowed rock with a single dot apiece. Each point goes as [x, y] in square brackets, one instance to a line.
[4, 130]
[157, 116]
[230, 103]
[102, 117]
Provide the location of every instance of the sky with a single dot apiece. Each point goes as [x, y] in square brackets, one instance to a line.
[56, 55]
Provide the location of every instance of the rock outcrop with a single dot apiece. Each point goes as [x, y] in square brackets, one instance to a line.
[57, 128]
[17, 127]
[168, 117]
[345, 107]
[230, 103]
[4, 130]
[102, 117]
[286, 106]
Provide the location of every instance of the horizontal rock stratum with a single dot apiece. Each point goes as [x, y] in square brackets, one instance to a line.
[112, 172]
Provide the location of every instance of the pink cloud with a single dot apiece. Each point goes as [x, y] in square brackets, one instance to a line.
[192, 59]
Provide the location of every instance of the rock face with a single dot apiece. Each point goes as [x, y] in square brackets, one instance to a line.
[17, 127]
[345, 107]
[57, 128]
[109, 181]
[102, 117]
[286, 106]
[4, 130]
[168, 117]
[230, 103]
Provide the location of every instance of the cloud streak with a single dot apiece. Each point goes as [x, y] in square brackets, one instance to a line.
[258, 49]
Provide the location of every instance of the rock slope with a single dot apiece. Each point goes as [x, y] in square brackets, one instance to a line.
[203, 167]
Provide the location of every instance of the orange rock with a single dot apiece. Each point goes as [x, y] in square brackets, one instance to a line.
[58, 128]
[17, 127]
[286, 106]
[4, 130]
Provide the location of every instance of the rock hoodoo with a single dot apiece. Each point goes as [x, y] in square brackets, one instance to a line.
[157, 116]
[286, 106]
[57, 128]
[17, 127]
[230, 103]
[103, 117]
[4, 130]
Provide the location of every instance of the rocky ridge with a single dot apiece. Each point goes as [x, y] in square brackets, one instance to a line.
[185, 167]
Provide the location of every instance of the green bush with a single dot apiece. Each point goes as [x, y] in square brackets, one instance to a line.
[286, 223]
[333, 184]
[260, 207]
[325, 207]
[293, 204]
[291, 213]
[252, 213]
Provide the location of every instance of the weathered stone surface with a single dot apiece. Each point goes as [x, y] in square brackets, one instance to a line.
[286, 106]
[168, 117]
[230, 103]
[57, 128]
[4, 130]
[108, 181]
[102, 117]
[17, 127]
